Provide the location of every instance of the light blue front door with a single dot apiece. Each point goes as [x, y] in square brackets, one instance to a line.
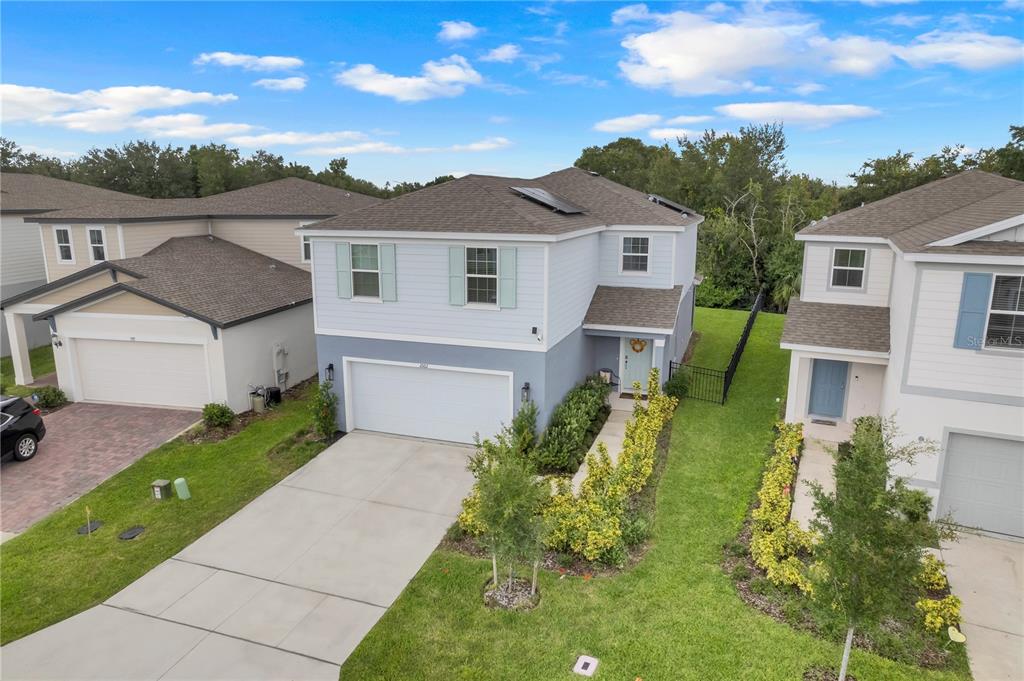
[828, 387]
[636, 362]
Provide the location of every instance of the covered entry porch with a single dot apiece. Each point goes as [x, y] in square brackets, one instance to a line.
[829, 389]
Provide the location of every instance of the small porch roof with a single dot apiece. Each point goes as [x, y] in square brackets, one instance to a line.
[855, 328]
[633, 309]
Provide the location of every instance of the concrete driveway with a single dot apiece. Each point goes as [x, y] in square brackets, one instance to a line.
[284, 589]
[988, 576]
[84, 445]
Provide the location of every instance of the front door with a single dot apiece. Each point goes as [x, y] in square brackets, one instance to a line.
[636, 362]
[828, 387]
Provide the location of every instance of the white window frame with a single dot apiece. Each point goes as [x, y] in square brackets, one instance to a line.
[352, 267]
[495, 276]
[833, 267]
[990, 311]
[102, 244]
[622, 256]
[70, 244]
[303, 240]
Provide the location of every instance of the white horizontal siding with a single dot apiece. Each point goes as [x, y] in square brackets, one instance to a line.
[686, 256]
[422, 308]
[818, 275]
[573, 272]
[935, 363]
[659, 274]
[21, 252]
[1011, 234]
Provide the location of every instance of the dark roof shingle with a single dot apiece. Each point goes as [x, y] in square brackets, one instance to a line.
[829, 325]
[29, 193]
[651, 308]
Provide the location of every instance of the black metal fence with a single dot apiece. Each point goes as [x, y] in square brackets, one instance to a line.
[712, 385]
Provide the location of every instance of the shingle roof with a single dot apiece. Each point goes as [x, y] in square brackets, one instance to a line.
[290, 197]
[652, 308]
[28, 193]
[486, 204]
[211, 279]
[937, 210]
[847, 327]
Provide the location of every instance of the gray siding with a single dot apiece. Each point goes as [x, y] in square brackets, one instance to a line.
[567, 364]
[676, 345]
[686, 256]
[659, 273]
[573, 272]
[422, 308]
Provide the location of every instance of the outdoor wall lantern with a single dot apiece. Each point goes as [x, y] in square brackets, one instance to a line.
[329, 372]
[525, 392]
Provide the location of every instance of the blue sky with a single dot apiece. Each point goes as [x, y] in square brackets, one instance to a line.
[408, 91]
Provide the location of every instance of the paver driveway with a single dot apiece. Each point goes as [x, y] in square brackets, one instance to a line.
[284, 589]
[84, 445]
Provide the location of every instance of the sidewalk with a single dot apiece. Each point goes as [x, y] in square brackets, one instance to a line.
[612, 435]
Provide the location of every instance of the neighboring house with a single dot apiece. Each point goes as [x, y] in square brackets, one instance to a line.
[179, 302]
[22, 266]
[440, 311]
[912, 307]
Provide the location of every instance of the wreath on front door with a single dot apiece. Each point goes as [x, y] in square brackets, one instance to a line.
[638, 344]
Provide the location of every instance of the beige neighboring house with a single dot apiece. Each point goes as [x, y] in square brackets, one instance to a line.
[913, 306]
[22, 265]
[178, 302]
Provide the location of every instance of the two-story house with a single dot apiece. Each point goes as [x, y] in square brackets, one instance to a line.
[22, 265]
[439, 312]
[178, 302]
[912, 307]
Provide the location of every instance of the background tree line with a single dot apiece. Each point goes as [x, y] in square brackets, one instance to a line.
[146, 169]
[740, 181]
[755, 206]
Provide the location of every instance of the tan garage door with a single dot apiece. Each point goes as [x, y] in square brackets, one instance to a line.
[136, 372]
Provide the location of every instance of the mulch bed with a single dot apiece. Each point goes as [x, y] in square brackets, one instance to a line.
[202, 434]
[694, 339]
[825, 674]
[514, 596]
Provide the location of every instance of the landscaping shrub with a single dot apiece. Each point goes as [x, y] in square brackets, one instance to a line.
[50, 397]
[678, 384]
[933, 574]
[524, 429]
[572, 427]
[324, 407]
[939, 613]
[216, 415]
[777, 541]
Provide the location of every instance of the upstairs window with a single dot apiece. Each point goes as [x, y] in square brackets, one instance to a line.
[482, 276]
[307, 249]
[1005, 328]
[97, 244]
[635, 253]
[365, 271]
[848, 267]
[64, 251]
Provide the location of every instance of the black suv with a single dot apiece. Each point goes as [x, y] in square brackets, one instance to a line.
[21, 428]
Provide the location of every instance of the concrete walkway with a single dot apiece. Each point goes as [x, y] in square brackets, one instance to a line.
[816, 464]
[284, 589]
[988, 576]
[612, 435]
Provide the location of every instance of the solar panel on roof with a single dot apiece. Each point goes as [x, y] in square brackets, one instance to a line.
[546, 198]
[661, 200]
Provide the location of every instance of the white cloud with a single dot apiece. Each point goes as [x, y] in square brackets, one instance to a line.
[249, 62]
[284, 84]
[292, 138]
[505, 54]
[627, 123]
[188, 126]
[967, 50]
[563, 78]
[486, 144]
[804, 89]
[50, 151]
[693, 54]
[669, 133]
[904, 20]
[447, 77]
[797, 113]
[500, 120]
[857, 55]
[882, 3]
[683, 120]
[541, 10]
[454, 31]
[108, 110]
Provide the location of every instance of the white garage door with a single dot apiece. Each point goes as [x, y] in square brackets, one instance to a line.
[430, 402]
[983, 483]
[135, 372]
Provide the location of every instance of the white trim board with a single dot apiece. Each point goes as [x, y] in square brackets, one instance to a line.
[347, 234]
[865, 356]
[977, 232]
[435, 340]
[628, 329]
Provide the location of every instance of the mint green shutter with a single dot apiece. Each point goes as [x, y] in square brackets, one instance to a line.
[343, 263]
[506, 277]
[388, 283]
[970, 323]
[457, 275]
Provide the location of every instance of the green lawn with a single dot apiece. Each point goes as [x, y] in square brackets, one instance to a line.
[720, 331]
[41, 360]
[675, 615]
[50, 572]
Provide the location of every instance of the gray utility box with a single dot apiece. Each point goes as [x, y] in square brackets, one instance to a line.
[161, 489]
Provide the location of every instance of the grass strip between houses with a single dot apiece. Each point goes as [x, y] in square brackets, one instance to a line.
[676, 614]
[42, 363]
[51, 573]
